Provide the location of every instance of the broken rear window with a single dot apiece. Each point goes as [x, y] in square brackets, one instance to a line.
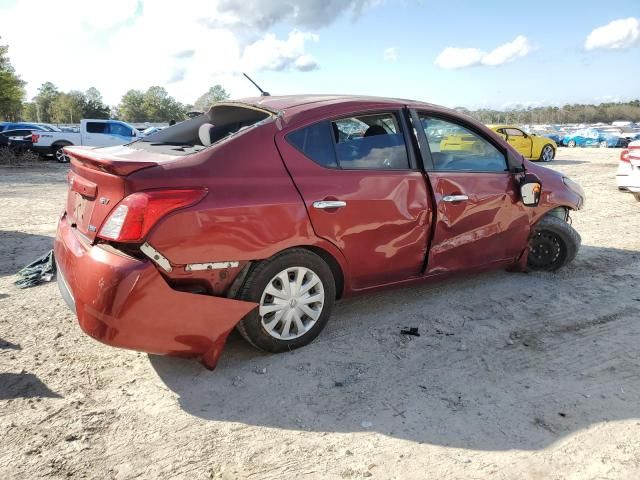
[195, 134]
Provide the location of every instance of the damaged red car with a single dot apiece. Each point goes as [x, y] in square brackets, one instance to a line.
[261, 213]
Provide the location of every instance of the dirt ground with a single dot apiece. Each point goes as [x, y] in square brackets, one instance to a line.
[526, 376]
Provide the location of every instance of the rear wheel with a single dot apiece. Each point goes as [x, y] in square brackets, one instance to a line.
[603, 144]
[553, 244]
[58, 152]
[571, 143]
[547, 153]
[295, 291]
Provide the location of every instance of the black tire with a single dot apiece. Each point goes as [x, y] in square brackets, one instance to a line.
[263, 275]
[553, 244]
[58, 154]
[547, 153]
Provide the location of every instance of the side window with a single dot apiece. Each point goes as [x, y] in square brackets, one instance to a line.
[514, 132]
[373, 141]
[454, 147]
[97, 127]
[315, 142]
[120, 129]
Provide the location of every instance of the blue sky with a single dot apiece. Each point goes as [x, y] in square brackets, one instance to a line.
[335, 46]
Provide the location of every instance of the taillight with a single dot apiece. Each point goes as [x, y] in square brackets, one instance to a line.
[136, 214]
[624, 156]
[34, 137]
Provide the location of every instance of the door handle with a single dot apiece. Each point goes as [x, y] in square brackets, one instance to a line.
[325, 204]
[455, 198]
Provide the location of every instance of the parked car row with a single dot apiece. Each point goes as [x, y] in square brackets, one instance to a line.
[598, 135]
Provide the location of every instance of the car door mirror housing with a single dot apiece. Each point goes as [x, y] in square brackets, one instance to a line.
[530, 190]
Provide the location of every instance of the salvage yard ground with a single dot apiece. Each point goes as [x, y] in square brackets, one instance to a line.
[514, 375]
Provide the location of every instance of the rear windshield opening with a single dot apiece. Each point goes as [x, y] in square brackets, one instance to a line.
[198, 133]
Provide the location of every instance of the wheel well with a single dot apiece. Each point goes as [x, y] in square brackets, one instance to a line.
[62, 144]
[333, 265]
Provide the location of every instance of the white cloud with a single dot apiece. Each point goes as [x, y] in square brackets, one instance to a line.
[618, 34]
[454, 57]
[390, 54]
[124, 44]
[271, 53]
[508, 52]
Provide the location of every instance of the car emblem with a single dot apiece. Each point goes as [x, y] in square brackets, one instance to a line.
[104, 200]
[92, 228]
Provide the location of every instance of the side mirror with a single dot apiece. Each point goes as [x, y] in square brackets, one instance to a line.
[530, 189]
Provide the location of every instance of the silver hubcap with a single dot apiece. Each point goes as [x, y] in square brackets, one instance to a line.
[603, 145]
[547, 154]
[61, 156]
[292, 303]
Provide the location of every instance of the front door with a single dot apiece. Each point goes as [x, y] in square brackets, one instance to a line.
[479, 217]
[363, 192]
[519, 140]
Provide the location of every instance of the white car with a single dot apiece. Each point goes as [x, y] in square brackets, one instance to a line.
[93, 133]
[628, 174]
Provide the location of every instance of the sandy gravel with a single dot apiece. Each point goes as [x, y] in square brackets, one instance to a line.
[515, 375]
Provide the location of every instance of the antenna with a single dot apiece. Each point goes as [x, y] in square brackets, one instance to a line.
[262, 92]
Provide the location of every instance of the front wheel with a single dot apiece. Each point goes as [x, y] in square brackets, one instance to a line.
[571, 143]
[553, 244]
[604, 144]
[295, 291]
[547, 153]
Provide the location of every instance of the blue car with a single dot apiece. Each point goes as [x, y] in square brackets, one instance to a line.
[592, 137]
[26, 125]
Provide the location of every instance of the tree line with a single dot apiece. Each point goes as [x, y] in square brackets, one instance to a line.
[574, 113]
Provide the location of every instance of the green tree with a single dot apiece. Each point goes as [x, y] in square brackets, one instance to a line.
[11, 88]
[159, 106]
[131, 107]
[68, 107]
[213, 95]
[44, 100]
[94, 106]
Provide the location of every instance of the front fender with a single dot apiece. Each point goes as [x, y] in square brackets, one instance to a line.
[554, 193]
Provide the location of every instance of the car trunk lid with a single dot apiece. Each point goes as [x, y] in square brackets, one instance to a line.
[98, 181]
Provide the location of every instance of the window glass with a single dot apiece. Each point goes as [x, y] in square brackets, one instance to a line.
[315, 142]
[97, 127]
[513, 132]
[453, 147]
[370, 141]
[120, 129]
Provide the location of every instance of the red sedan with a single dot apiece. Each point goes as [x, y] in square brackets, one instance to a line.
[261, 213]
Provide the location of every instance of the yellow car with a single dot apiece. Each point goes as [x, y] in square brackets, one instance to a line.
[532, 147]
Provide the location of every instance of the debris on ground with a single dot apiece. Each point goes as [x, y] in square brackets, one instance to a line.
[410, 331]
[41, 270]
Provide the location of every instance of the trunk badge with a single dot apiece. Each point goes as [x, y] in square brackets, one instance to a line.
[104, 200]
[92, 228]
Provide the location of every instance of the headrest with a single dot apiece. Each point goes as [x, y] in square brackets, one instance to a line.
[204, 133]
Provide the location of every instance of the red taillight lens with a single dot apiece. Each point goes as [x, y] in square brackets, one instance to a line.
[624, 156]
[34, 137]
[134, 216]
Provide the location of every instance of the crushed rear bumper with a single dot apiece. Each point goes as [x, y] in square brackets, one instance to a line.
[125, 302]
